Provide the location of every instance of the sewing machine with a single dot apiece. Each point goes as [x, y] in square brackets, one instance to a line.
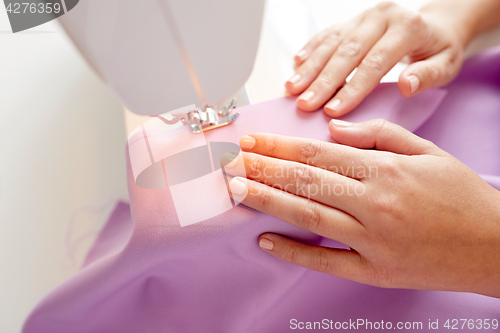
[161, 55]
[177, 61]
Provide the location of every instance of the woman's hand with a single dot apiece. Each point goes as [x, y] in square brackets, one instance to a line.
[374, 42]
[414, 215]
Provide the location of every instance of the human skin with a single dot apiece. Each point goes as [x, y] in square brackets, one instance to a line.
[423, 220]
[431, 41]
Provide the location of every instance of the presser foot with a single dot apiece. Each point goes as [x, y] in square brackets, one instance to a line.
[205, 119]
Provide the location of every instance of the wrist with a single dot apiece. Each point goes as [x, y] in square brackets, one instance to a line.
[466, 18]
[462, 26]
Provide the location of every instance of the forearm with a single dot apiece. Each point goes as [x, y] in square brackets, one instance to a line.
[468, 18]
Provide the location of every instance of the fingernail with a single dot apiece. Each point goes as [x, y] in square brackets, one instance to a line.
[333, 104]
[237, 187]
[247, 142]
[301, 54]
[294, 79]
[307, 96]
[341, 123]
[266, 244]
[414, 83]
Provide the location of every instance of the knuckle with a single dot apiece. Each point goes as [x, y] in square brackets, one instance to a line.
[375, 62]
[352, 88]
[434, 73]
[303, 178]
[378, 125]
[323, 84]
[309, 150]
[310, 216]
[316, 40]
[313, 65]
[321, 262]
[385, 5]
[333, 38]
[290, 254]
[264, 199]
[388, 202]
[389, 206]
[271, 145]
[325, 80]
[350, 48]
[256, 167]
[390, 166]
[412, 21]
[320, 37]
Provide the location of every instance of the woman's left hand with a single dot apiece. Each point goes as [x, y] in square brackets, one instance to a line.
[414, 216]
[431, 42]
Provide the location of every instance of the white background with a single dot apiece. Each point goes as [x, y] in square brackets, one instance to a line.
[62, 142]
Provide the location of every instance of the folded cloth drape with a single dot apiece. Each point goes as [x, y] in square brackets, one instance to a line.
[212, 277]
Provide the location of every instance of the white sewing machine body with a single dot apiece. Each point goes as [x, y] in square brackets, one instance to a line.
[160, 55]
[174, 60]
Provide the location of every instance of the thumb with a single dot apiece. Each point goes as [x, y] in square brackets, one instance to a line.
[381, 135]
[433, 72]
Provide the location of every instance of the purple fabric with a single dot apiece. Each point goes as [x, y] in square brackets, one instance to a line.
[212, 277]
[113, 236]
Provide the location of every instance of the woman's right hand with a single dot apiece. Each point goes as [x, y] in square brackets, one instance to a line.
[415, 216]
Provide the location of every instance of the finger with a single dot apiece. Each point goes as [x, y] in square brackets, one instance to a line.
[434, 72]
[319, 56]
[326, 187]
[311, 67]
[342, 263]
[336, 158]
[306, 214]
[381, 135]
[347, 56]
[308, 49]
[379, 60]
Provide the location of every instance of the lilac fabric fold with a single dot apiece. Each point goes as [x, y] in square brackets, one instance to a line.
[146, 273]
